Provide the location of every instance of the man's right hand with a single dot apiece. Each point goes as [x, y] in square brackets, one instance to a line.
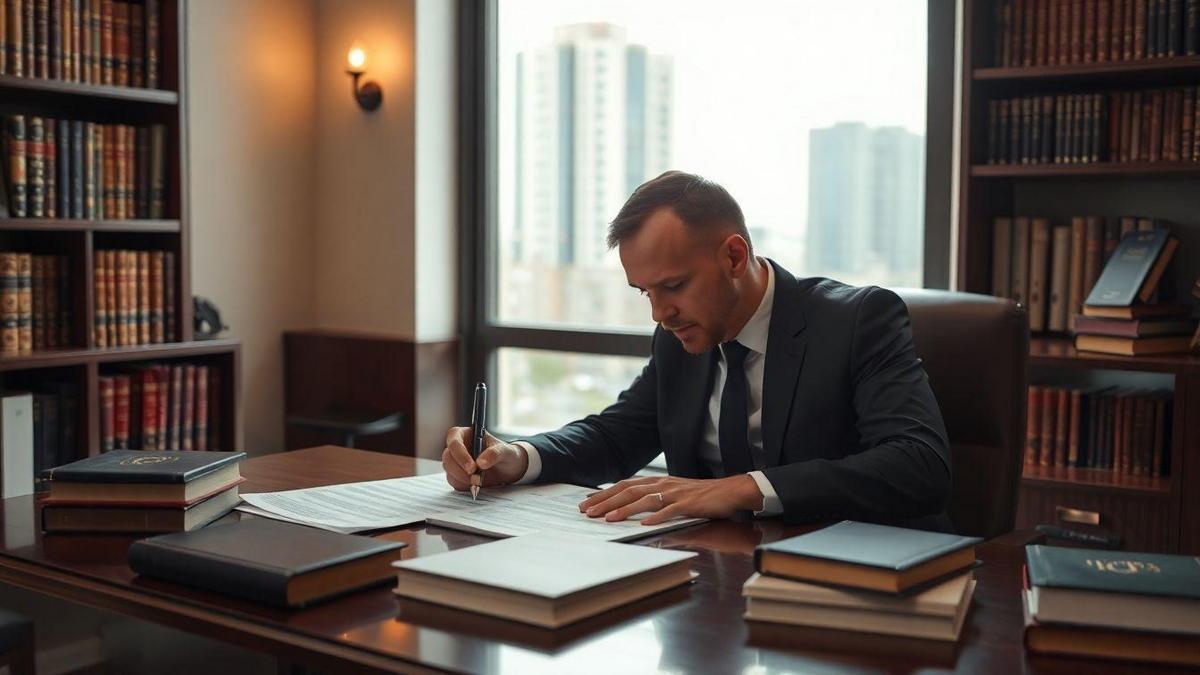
[502, 463]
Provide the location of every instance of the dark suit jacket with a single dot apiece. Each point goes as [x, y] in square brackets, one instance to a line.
[850, 426]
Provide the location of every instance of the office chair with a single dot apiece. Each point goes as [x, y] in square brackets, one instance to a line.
[16, 643]
[975, 349]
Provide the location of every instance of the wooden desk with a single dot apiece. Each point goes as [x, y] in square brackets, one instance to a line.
[698, 629]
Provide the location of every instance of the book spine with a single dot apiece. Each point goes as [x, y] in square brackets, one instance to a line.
[96, 38]
[142, 184]
[101, 311]
[10, 312]
[56, 39]
[1040, 28]
[119, 168]
[1039, 257]
[120, 30]
[76, 61]
[157, 173]
[143, 273]
[1073, 431]
[149, 409]
[39, 302]
[187, 407]
[121, 408]
[35, 150]
[152, 33]
[107, 55]
[1060, 273]
[169, 296]
[17, 166]
[201, 423]
[1048, 426]
[130, 178]
[65, 327]
[1103, 29]
[1076, 262]
[214, 409]
[108, 149]
[1191, 39]
[50, 265]
[156, 297]
[25, 302]
[137, 45]
[77, 167]
[50, 208]
[110, 288]
[1033, 417]
[175, 422]
[163, 374]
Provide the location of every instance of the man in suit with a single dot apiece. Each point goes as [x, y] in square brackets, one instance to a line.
[767, 393]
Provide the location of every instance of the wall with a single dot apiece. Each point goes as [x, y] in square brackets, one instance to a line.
[252, 139]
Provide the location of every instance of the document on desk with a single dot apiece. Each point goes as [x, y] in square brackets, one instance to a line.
[501, 512]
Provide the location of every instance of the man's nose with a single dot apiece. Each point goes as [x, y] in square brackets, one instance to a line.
[661, 311]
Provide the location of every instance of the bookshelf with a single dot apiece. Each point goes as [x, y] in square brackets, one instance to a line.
[80, 361]
[1154, 513]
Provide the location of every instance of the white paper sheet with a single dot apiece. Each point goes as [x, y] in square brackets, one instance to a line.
[507, 511]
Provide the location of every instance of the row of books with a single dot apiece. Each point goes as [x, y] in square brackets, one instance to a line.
[56, 168]
[1137, 607]
[113, 42]
[159, 407]
[135, 297]
[35, 302]
[41, 431]
[1126, 431]
[1055, 32]
[132, 491]
[1120, 126]
[1052, 268]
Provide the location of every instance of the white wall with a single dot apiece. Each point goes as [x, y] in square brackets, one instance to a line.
[252, 138]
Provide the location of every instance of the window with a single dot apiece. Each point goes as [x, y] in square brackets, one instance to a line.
[811, 113]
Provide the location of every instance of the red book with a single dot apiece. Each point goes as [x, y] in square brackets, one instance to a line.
[149, 408]
[163, 375]
[1033, 417]
[121, 416]
[137, 45]
[176, 422]
[1062, 423]
[107, 56]
[1103, 28]
[188, 406]
[201, 432]
[1048, 426]
[1089, 31]
[1073, 432]
[120, 33]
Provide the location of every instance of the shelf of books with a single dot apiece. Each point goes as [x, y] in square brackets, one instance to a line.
[96, 339]
[1079, 197]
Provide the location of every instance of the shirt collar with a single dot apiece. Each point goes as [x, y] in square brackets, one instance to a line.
[754, 334]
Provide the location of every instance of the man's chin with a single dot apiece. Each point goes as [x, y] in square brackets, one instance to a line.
[693, 340]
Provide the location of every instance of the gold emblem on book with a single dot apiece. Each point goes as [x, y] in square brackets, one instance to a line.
[149, 459]
[1124, 566]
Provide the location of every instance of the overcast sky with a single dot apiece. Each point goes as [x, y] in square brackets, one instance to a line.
[751, 79]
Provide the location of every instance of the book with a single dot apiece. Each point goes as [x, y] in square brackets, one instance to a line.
[1137, 311]
[1135, 646]
[139, 518]
[1134, 269]
[1114, 589]
[546, 579]
[16, 445]
[266, 561]
[1136, 346]
[864, 555]
[150, 494]
[139, 466]
[937, 613]
[1132, 328]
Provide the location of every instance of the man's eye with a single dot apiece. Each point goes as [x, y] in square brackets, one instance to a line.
[675, 286]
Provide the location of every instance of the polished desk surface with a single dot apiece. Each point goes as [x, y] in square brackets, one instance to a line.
[690, 630]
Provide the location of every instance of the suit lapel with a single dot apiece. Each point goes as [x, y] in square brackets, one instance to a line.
[786, 344]
[692, 403]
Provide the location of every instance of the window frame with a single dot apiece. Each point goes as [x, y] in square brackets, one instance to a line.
[477, 196]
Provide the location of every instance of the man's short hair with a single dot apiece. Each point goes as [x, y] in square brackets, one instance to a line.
[699, 202]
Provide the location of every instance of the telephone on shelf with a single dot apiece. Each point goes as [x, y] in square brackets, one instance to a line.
[206, 318]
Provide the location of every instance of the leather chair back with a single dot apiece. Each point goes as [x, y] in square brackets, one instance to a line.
[975, 349]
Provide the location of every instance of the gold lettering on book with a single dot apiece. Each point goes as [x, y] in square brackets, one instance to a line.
[149, 459]
[1124, 566]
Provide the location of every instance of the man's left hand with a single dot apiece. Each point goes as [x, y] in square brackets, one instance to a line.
[669, 497]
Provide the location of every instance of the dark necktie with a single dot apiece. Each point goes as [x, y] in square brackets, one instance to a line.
[733, 432]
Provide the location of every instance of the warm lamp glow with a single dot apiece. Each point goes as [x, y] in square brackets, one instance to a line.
[357, 58]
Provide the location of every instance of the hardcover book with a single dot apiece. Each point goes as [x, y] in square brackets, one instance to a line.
[864, 555]
[266, 561]
[140, 466]
[1134, 269]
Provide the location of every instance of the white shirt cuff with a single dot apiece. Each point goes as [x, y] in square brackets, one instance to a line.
[771, 505]
[534, 469]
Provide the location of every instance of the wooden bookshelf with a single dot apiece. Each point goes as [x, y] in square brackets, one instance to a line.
[1151, 513]
[82, 364]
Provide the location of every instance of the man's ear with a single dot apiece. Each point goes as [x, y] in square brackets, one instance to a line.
[735, 255]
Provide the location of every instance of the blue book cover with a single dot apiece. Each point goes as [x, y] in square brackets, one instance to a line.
[144, 466]
[881, 546]
[1114, 571]
[1127, 269]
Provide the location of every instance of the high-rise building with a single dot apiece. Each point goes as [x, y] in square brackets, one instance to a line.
[593, 122]
[865, 204]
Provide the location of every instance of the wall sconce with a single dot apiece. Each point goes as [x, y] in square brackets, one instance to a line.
[369, 95]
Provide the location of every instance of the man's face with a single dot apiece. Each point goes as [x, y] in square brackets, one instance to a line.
[687, 277]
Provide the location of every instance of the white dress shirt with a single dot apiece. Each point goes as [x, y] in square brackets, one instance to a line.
[754, 337]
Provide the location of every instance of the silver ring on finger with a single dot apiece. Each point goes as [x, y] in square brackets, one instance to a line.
[661, 501]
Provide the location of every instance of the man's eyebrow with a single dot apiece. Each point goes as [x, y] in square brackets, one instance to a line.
[662, 282]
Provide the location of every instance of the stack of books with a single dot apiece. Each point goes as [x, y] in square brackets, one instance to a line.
[141, 492]
[1120, 315]
[866, 578]
[1112, 604]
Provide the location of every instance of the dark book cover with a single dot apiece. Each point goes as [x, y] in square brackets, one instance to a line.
[169, 296]
[106, 42]
[1002, 156]
[89, 170]
[107, 414]
[157, 171]
[41, 43]
[77, 149]
[1064, 31]
[96, 36]
[35, 151]
[1089, 31]
[253, 559]
[152, 32]
[120, 42]
[993, 125]
[1014, 131]
[1124, 274]
[65, 331]
[1103, 29]
[879, 546]
[63, 167]
[1033, 432]
[137, 45]
[1047, 132]
[142, 187]
[1159, 574]
[1191, 39]
[28, 53]
[1039, 45]
[144, 466]
[52, 142]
